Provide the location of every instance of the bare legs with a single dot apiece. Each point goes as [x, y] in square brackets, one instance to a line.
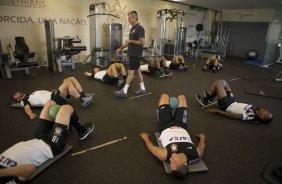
[164, 100]
[219, 87]
[71, 86]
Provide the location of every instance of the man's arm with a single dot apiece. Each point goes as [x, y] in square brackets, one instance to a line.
[29, 112]
[140, 41]
[123, 46]
[201, 145]
[160, 153]
[23, 172]
[227, 114]
[208, 61]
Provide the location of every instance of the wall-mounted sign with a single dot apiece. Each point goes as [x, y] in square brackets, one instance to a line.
[24, 3]
[32, 20]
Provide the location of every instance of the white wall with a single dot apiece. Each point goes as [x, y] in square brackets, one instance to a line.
[248, 15]
[147, 12]
[71, 19]
[26, 20]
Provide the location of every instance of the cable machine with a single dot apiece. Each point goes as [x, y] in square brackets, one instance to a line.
[104, 38]
[170, 32]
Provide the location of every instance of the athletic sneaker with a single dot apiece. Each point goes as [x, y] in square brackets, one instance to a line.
[168, 72]
[89, 94]
[120, 83]
[206, 93]
[185, 67]
[88, 129]
[121, 94]
[205, 68]
[201, 100]
[180, 67]
[161, 73]
[86, 101]
[140, 92]
[213, 69]
[218, 68]
[11, 180]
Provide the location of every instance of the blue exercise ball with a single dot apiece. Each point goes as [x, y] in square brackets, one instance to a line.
[173, 102]
[252, 54]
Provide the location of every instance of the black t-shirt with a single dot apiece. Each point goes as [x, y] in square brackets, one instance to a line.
[136, 32]
[25, 101]
[182, 147]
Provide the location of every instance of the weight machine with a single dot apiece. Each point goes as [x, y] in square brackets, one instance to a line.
[279, 59]
[104, 38]
[278, 77]
[65, 51]
[62, 54]
[170, 32]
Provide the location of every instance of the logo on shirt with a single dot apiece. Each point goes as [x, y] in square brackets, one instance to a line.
[177, 138]
[174, 147]
[189, 148]
[4, 161]
[57, 134]
[58, 131]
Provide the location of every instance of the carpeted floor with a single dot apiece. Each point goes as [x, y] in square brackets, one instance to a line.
[236, 151]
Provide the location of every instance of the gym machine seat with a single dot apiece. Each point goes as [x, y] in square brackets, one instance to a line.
[65, 51]
[22, 54]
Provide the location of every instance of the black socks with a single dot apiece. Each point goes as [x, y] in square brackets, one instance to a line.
[210, 96]
[75, 123]
[82, 95]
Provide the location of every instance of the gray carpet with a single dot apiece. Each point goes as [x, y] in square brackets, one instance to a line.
[236, 151]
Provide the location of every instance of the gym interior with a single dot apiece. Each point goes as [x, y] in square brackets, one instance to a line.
[68, 37]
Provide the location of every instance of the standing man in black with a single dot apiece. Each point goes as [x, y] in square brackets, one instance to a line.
[135, 49]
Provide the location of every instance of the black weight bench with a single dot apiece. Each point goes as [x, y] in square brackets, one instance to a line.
[206, 51]
[272, 172]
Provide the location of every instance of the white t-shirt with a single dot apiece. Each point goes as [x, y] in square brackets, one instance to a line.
[38, 98]
[99, 75]
[144, 68]
[34, 151]
[174, 134]
[247, 110]
[168, 63]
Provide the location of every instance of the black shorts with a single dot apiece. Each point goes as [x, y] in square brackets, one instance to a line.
[152, 69]
[173, 66]
[211, 66]
[58, 98]
[48, 131]
[166, 120]
[134, 62]
[225, 102]
[109, 79]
